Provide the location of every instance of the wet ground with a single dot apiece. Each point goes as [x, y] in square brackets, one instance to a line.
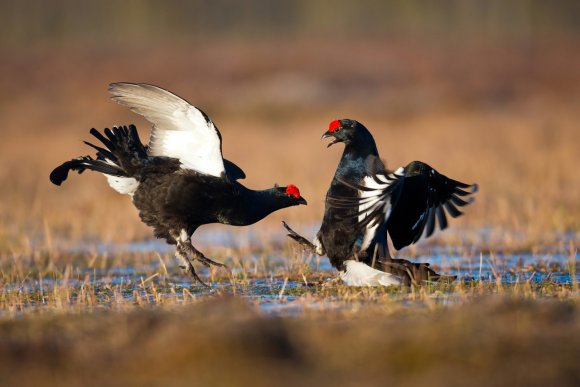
[274, 277]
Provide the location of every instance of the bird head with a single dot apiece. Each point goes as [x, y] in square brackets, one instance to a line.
[344, 130]
[291, 194]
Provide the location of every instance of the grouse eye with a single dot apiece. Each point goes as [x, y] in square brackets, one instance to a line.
[337, 129]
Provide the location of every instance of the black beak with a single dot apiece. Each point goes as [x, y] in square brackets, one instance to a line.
[328, 134]
[301, 200]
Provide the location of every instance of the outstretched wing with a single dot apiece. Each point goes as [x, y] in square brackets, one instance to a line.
[411, 200]
[420, 200]
[180, 130]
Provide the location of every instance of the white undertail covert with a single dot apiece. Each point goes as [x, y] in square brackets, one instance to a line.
[361, 274]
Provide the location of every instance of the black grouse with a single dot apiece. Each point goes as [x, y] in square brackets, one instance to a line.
[180, 181]
[365, 202]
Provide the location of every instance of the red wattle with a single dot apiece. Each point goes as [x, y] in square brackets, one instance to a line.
[333, 125]
[291, 189]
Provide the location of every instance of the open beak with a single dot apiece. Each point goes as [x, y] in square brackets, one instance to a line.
[301, 200]
[328, 134]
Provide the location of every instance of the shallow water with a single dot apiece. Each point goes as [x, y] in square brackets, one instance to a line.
[506, 268]
[267, 284]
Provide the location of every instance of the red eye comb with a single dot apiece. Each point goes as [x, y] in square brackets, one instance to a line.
[333, 125]
[293, 190]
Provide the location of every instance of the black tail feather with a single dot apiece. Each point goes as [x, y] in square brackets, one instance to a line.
[102, 153]
[118, 158]
[60, 173]
[102, 139]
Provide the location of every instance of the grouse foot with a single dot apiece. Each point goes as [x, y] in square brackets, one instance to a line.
[190, 270]
[412, 273]
[185, 264]
[209, 262]
[309, 246]
[198, 256]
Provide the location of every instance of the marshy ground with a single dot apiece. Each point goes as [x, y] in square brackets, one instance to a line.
[123, 315]
[88, 297]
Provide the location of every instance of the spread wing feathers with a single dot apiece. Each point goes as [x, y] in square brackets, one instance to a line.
[123, 148]
[373, 203]
[121, 159]
[411, 200]
[420, 200]
[180, 130]
[374, 199]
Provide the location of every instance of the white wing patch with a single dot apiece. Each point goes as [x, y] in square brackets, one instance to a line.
[124, 185]
[371, 200]
[360, 274]
[180, 130]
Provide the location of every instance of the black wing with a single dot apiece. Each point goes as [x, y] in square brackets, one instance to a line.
[420, 200]
[411, 200]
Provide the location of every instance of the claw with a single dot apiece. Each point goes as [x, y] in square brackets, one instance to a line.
[183, 248]
[191, 271]
[208, 262]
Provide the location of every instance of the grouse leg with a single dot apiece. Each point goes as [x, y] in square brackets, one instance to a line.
[186, 265]
[183, 240]
[198, 255]
[309, 246]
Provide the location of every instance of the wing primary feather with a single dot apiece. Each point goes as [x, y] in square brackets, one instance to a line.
[460, 192]
[441, 218]
[458, 183]
[451, 209]
[460, 202]
[430, 222]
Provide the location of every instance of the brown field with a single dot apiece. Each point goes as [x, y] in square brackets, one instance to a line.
[509, 124]
[503, 114]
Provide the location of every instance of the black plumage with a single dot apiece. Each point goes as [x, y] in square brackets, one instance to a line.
[365, 202]
[175, 188]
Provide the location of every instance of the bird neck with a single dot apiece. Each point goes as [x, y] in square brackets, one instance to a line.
[352, 165]
[363, 145]
[260, 203]
[353, 161]
[360, 151]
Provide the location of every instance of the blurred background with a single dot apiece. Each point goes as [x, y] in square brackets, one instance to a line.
[484, 91]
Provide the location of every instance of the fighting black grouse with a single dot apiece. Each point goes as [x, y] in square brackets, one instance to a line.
[180, 180]
[365, 203]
